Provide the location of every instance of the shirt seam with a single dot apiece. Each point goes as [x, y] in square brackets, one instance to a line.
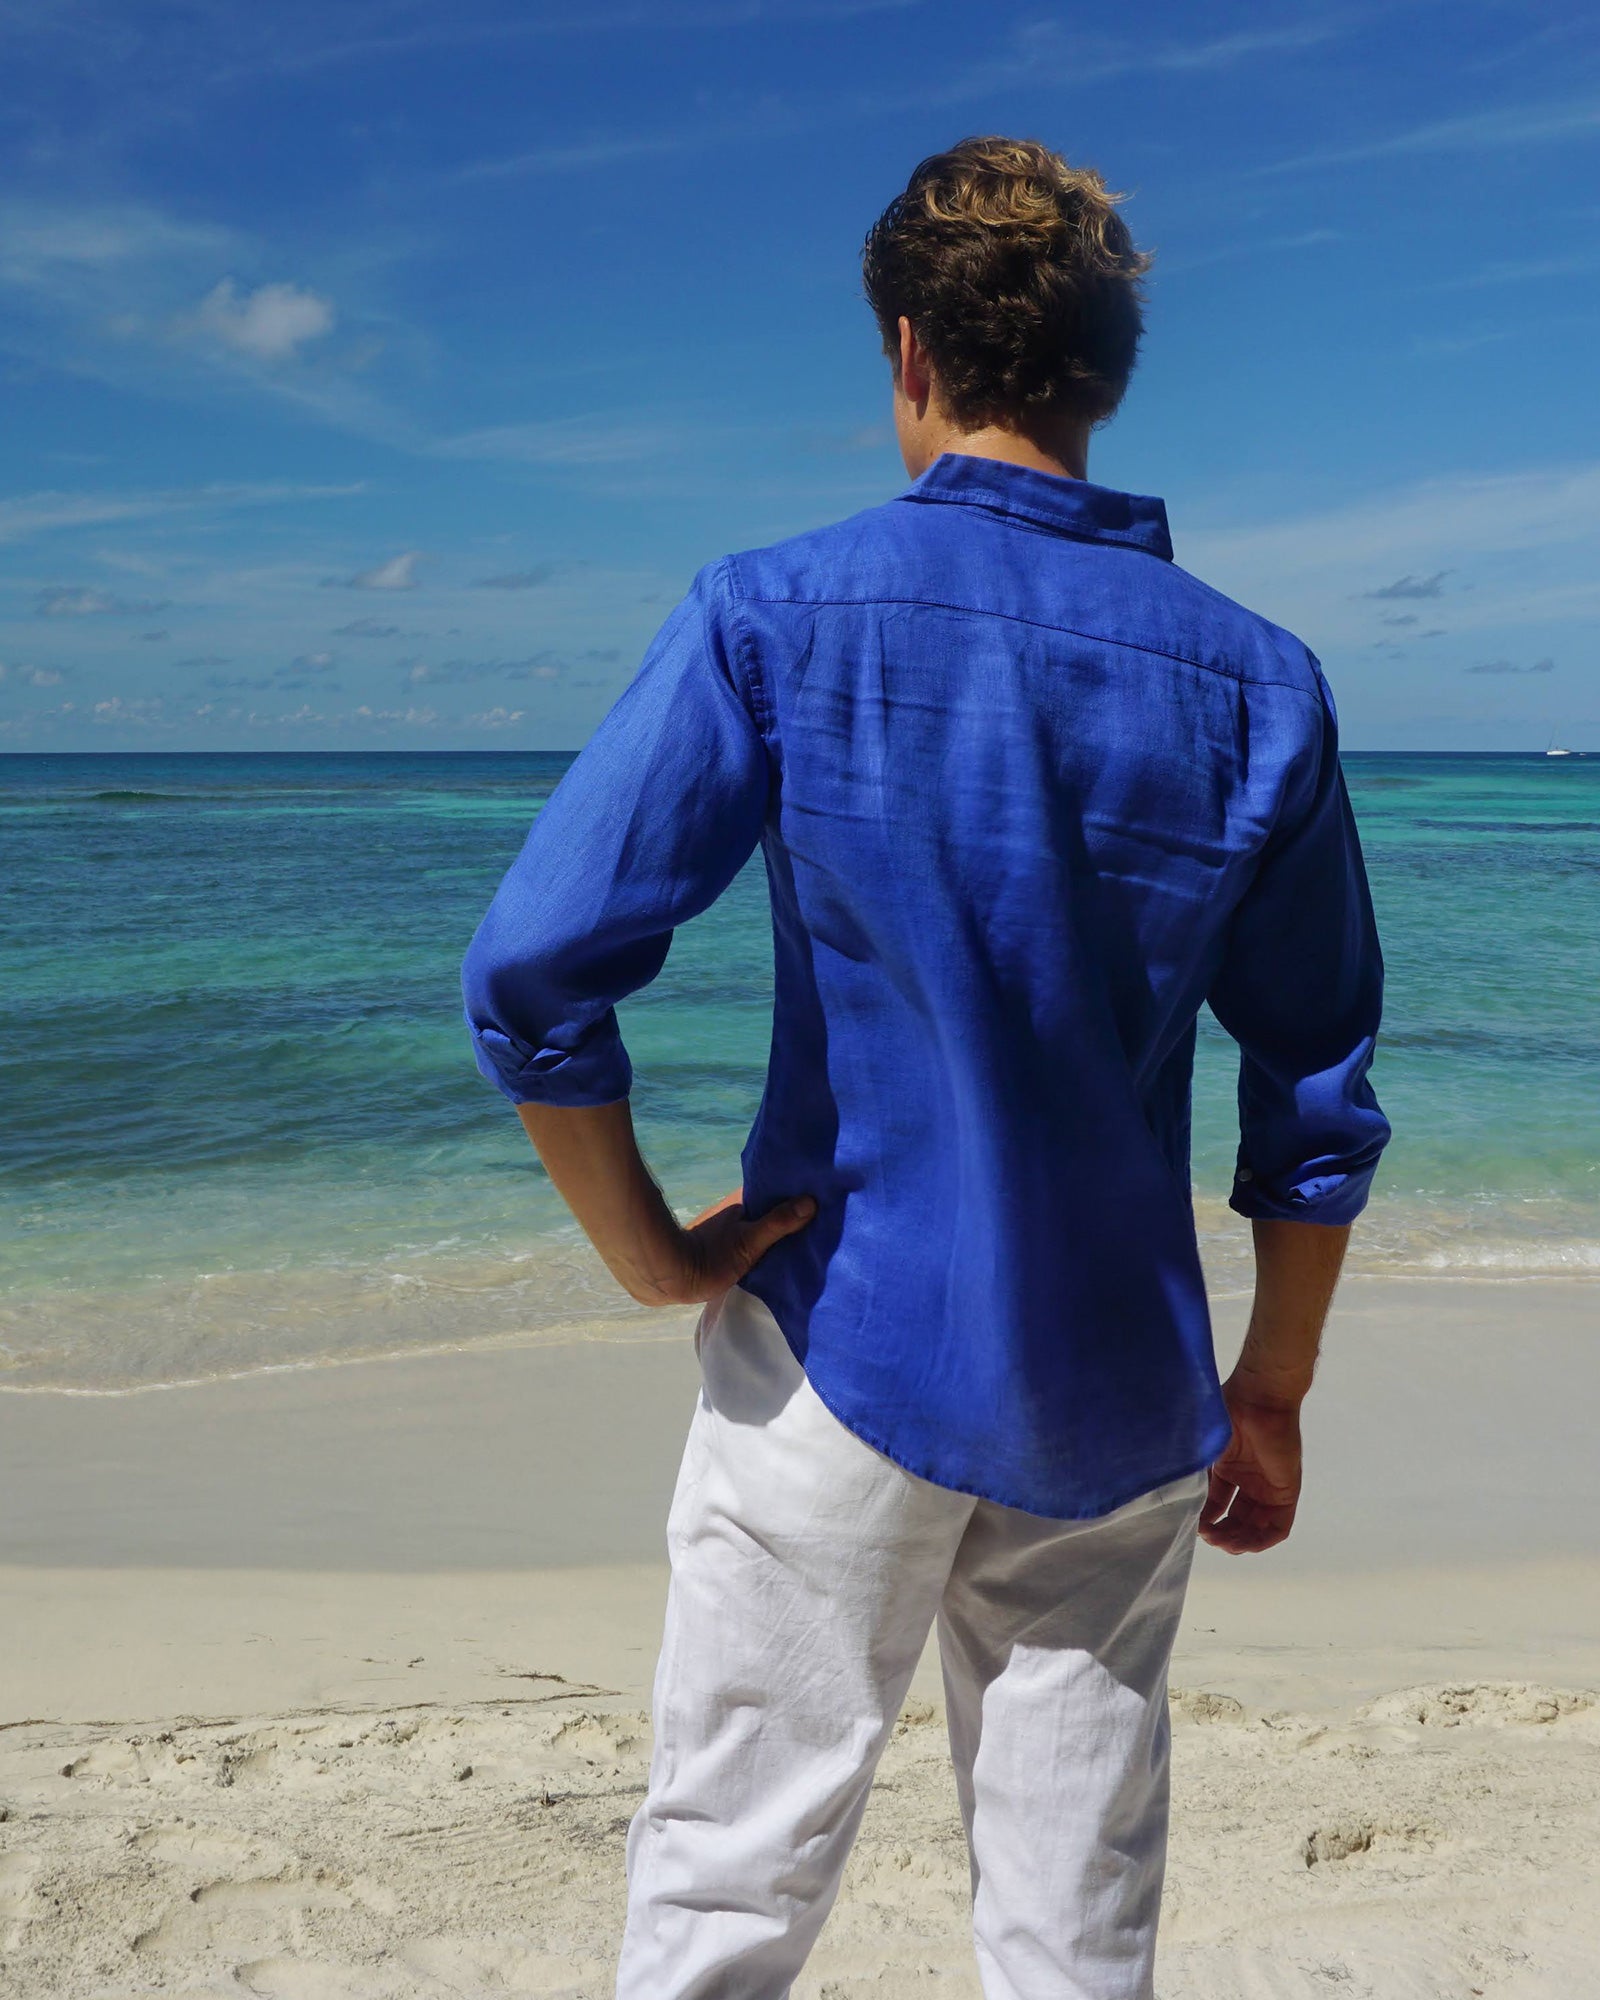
[1041, 625]
[744, 650]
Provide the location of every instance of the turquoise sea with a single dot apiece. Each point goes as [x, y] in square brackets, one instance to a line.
[240, 1125]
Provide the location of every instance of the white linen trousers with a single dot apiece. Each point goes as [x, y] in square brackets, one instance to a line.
[807, 1569]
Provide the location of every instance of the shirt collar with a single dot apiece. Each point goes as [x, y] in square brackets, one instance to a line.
[1070, 506]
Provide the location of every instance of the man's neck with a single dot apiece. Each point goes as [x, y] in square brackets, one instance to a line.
[1067, 456]
[1059, 448]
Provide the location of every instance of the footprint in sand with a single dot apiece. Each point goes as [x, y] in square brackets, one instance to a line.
[130, 1760]
[181, 1844]
[255, 1909]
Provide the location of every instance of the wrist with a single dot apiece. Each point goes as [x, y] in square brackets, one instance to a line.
[1268, 1385]
[654, 1268]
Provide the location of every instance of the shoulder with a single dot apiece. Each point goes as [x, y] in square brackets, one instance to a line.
[846, 559]
[1255, 649]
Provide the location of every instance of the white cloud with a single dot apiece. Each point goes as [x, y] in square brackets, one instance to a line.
[415, 717]
[38, 677]
[269, 324]
[495, 718]
[129, 297]
[398, 573]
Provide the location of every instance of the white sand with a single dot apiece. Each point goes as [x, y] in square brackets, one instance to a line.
[294, 1701]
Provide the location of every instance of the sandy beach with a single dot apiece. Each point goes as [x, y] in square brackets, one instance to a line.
[332, 1683]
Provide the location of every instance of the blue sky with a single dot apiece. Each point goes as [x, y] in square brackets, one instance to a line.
[377, 374]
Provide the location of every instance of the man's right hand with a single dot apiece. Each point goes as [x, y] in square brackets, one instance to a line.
[1255, 1485]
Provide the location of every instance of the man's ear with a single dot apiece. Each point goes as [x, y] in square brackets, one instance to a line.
[912, 373]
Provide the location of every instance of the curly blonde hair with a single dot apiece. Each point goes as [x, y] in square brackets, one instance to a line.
[1019, 278]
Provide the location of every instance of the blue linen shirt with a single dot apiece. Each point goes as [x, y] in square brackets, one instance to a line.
[1028, 794]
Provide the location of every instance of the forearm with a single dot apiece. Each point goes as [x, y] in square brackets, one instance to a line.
[593, 1158]
[591, 1155]
[1297, 1269]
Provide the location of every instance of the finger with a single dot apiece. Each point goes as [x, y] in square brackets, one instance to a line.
[1250, 1527]
[759, 1235]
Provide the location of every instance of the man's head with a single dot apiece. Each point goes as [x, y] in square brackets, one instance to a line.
[1007, 290]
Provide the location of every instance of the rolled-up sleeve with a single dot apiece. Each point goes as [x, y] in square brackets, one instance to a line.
[1301, 991]
[652, 822]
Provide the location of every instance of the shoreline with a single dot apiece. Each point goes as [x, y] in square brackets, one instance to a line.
[645, 1326]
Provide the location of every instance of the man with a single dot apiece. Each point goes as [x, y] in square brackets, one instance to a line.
[1028, 795]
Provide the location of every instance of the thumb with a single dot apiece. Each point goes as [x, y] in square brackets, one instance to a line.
[779, 1221]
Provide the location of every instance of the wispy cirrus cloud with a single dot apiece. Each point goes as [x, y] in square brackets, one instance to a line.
[58, 249]
[398, 573]
[306, 38]
[28, 514]
[133, 297]
[1494, 128]
[1545, 666]
[1250, 246]
[1523, 271]
[589, 440]
[1522, 543]
[1038, 53]
[84, 601]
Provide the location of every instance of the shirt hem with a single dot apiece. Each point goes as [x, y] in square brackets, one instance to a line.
[1185, 1469]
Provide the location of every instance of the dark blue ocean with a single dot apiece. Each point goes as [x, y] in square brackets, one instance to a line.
[241, 1126]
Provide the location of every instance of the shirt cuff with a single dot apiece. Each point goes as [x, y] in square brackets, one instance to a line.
[597, 1073]
[1332, 1199]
